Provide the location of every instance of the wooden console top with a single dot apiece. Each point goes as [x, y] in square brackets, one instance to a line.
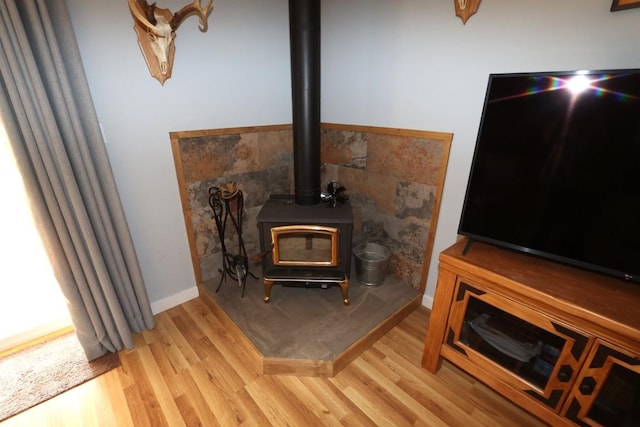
[604, 305]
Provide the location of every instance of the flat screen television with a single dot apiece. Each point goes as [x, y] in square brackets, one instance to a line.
[556, 169]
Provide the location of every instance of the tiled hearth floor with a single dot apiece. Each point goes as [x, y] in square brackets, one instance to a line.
[308, 323]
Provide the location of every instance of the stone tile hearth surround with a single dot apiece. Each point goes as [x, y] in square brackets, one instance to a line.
[394, 179]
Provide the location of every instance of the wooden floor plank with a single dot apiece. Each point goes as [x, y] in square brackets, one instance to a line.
[251, 414]
[110, 385]
[275, 401]
[340, 405]
[160, 388]
[214, 395]
[143, 403]
[198, 400]
[193, 369]
[387, 381]
[233, 351]
[373, 399]
[310, 400]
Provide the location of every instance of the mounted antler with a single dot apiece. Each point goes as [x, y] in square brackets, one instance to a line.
[156, 29]
[193, 8]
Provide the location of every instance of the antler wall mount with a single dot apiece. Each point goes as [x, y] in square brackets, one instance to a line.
[466, 8]
[156, 28]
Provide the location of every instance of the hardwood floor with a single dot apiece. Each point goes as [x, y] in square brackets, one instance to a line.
[191, 371]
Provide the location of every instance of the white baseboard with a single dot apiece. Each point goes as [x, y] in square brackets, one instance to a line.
[174, 300]
[427, 301]
[24, 336]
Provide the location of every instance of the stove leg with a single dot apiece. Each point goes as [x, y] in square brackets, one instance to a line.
[267, 290]
[344, 287]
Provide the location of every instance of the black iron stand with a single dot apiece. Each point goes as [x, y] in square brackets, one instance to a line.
[227, 205]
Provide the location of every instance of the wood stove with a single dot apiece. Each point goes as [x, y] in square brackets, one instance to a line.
[305, 242]
[305, 245]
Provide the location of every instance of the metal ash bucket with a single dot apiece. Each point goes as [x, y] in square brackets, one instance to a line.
[372, 260]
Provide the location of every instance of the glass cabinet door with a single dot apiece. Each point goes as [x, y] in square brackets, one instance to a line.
[607, 392]
[523, 347]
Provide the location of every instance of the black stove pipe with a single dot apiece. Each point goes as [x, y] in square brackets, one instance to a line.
[304, 33]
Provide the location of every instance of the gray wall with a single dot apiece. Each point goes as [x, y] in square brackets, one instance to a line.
[403, 63]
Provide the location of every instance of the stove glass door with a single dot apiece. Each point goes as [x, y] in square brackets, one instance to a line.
[305, 245]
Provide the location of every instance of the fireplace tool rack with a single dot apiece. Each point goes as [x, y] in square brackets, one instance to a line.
[227, 204]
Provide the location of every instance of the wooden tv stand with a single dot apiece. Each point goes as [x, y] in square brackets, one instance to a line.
[563, 343]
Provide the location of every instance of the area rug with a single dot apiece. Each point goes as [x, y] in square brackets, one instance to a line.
[38, 373]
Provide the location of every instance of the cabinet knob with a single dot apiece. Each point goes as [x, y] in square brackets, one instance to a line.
[565, 373]
[587, 385]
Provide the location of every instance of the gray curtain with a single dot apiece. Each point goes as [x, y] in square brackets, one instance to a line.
[48, 114]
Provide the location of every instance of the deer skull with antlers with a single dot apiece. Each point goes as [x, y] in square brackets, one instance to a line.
[156, 29]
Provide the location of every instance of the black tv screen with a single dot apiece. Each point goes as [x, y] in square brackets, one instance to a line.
[556, 169]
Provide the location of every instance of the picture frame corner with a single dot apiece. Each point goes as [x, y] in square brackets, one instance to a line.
[618, 5]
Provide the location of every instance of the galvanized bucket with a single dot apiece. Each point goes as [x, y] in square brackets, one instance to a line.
[372, 261]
